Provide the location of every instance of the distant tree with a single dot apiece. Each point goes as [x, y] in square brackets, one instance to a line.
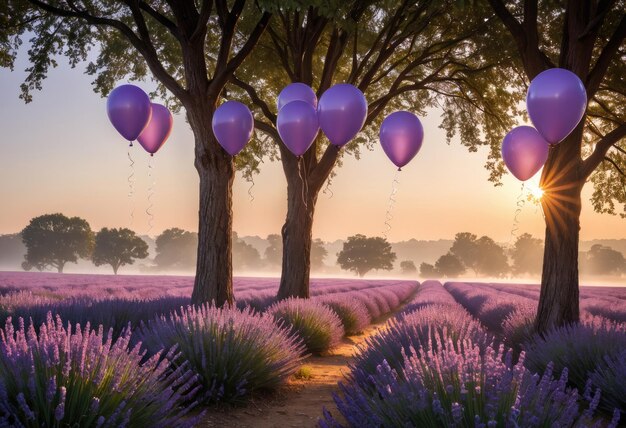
[245, 256]
[492, 260]
[274, 252]
[449, 265]
[465, 248]
[318, 254]
[408, 267]
[604, 260]
[428, 271]
[527, 255]
[176, 249]
[118, 247]
[361, 254]
[54, 240]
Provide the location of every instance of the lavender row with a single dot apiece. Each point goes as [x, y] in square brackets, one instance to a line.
[445, 371]
[594, 300]
[490, 306]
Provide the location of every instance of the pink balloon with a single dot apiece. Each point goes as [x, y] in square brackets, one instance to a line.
[401, 135]
[158, 130]
[524, 152]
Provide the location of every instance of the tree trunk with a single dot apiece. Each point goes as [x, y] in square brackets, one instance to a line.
[562, 183]
[115, 268]
[297, 233]
[60, 267]
[214, 281]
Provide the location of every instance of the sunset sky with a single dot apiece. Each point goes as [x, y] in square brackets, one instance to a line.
[61, 154]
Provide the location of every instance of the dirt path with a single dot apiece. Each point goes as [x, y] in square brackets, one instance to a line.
[300, 403]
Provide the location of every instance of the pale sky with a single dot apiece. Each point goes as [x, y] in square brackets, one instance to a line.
[61, 154]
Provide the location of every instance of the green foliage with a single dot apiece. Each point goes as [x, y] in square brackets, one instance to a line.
[52, 240]
[176, 249]
[361, 254]
[118, 247]
[527, 255]
[450, 266]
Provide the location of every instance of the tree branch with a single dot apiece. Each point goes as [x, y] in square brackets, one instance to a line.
[256, 99]
[611, 161]
[162, 19]
[603, 146]
[324, 167]
[145, 49]
[606, 56]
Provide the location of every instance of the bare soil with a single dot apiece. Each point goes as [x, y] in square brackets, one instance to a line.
[300, 402]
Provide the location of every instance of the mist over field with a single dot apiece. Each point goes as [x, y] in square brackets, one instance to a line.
[12, 252]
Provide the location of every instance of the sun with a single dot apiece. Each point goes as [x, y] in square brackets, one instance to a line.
[535, 191]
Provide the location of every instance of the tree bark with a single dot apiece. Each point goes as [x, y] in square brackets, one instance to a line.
[562, 181]
[213, 281]
[297, 232]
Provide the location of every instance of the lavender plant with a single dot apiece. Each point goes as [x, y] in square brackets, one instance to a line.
[583, 349]
[418, 329]
[61, 378]
[319, 327]
[444, 386]
[353, 314]
[233, 351]
[610, 377]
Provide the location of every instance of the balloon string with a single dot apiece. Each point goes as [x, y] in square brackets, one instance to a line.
[520, 205]
[151, 192]
[327, 190]
[131, 187]
[392, 200]
[304, 185]
[251, 181]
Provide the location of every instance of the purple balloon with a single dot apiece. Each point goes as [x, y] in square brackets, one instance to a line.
[296, 92]
[401, 135]
[342, 111]
[129, 110]
[297, 126]
[233, 124]
[158, 130]
[524, 151]
[556, 102]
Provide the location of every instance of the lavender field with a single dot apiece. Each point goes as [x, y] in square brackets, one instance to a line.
[457, 354]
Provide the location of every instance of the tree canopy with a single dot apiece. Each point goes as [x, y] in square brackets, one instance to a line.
[527, 255]
[361, 254]
[176, 249]
[118, 247]
[450, 266]
[53, 240]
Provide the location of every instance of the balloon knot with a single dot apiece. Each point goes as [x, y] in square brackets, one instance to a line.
[130, 144]
[152, 154]
[399, 169]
